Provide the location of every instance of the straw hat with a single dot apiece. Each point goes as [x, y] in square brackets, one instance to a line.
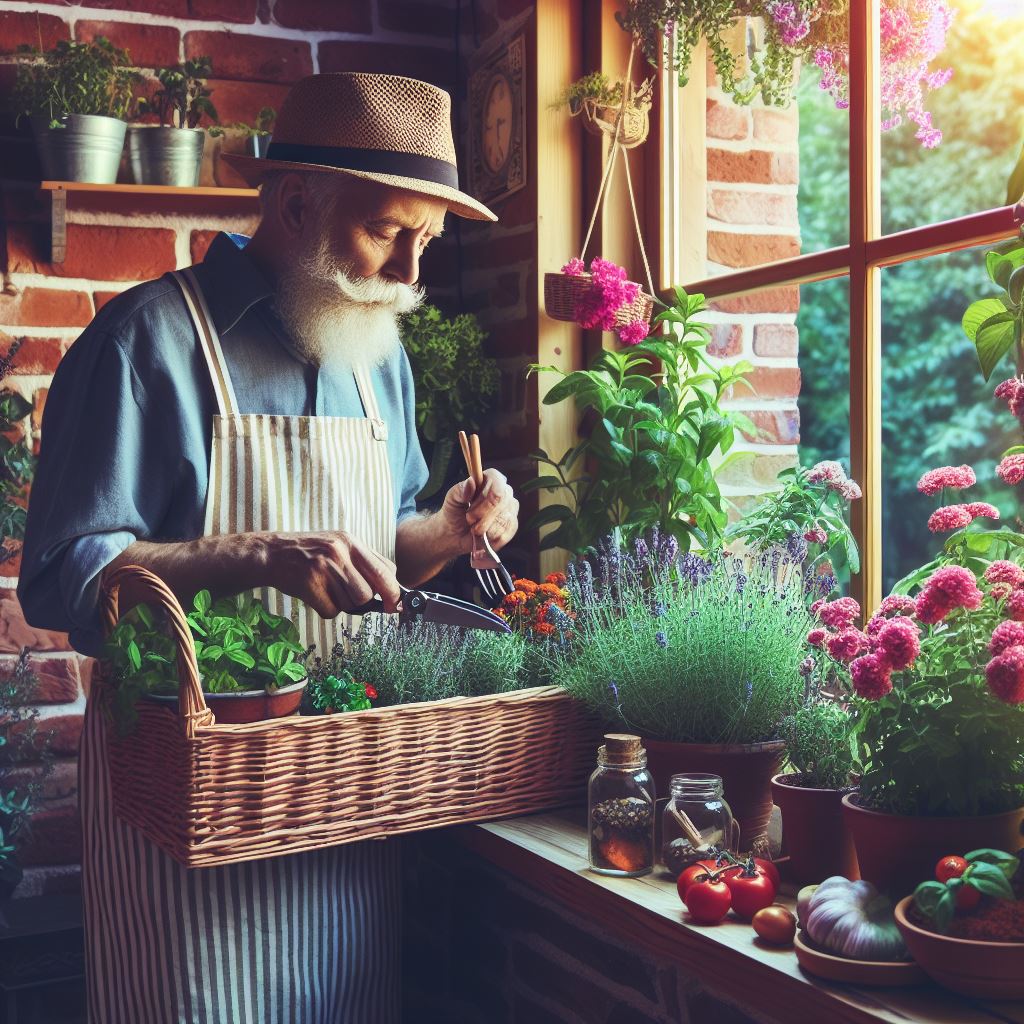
[381, 127]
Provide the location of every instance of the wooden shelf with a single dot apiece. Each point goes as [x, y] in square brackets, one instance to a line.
[84, 195]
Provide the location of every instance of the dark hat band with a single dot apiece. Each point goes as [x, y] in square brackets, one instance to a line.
[350, 158]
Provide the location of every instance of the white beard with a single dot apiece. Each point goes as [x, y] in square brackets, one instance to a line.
[335, 319]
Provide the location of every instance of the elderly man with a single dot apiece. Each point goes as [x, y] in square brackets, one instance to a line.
[248, 423]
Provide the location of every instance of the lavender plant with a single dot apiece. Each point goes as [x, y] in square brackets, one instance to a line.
[687, 648]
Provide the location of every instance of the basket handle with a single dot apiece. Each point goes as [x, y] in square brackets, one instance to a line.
[144, 586]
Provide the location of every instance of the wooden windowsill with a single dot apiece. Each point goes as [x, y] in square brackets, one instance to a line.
[548, 851]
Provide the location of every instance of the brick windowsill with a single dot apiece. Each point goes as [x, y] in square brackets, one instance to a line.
[548, 852]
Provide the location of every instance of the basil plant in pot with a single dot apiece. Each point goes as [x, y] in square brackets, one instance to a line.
[251, 663]
[171, 152]
[77, 97]
[699, 655]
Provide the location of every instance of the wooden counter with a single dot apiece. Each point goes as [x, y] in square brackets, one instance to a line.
[548, 852]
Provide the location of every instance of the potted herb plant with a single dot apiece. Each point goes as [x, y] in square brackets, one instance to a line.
[17, 465]
[171, 152]
[647, 460]
[700, 656]
[599, 102]
[251, 663]
[819, 746]
[238, 137]
[456, 382]
[77, 97]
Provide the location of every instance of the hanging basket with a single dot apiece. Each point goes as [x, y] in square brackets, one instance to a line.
[564, 292]
[603, 118]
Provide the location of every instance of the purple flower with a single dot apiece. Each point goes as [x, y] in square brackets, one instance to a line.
[659, 610]
[796, 547]
[660, 639]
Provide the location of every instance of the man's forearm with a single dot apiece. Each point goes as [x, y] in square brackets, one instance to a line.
[423, 547]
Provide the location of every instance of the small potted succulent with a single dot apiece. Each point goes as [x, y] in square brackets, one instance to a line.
[77, 97]
[251, 663]
[170, 152]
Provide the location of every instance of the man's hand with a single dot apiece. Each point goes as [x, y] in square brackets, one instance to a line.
[331, 572]
[494, 511]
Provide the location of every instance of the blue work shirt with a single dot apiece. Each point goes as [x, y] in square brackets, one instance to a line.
[125, 440]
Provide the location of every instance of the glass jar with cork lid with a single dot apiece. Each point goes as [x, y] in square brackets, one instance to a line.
[696, 823]
[620, 805]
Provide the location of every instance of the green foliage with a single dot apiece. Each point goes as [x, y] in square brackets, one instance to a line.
[988, 871]
[239, 646]
[182, 98]
[595, 86]
[17, 463]
[263, 126]
[422, 661]
[74, 78]
[338, 693]
[455, 381]
[995, 325]
[818, 742]
[698, 651]
[648, 457]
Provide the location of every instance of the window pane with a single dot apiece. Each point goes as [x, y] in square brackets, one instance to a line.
[978, 113]
[936, 408]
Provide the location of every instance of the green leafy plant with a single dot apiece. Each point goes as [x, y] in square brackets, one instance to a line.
[819, 744]
[996, 325]
[263, 126]
[648, 457]
[455, 381]
[239, 646]
[684, 648]
[17, 463]
[183, 97]
[988, 871]
[340, 693]
[596, 86]
[75, 78]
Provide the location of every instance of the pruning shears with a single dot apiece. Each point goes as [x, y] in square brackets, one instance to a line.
[440, 608]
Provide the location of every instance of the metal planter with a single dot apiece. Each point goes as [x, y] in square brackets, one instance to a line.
[162, 155]
[86, 148]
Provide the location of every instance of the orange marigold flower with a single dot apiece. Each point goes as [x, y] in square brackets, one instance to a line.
[550, 590]
[527, 586]
[516, 597]
[544, 628]
[558, 578]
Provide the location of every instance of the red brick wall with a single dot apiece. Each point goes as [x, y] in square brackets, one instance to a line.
[259, 48]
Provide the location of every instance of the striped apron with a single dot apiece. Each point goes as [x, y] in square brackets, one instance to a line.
[310, 938]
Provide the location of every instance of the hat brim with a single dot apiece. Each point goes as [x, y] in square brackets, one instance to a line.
[254, 169]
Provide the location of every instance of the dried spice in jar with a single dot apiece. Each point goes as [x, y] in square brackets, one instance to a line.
[621, 809]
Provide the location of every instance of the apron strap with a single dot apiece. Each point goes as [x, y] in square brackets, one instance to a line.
[209, 342]
[368, 397]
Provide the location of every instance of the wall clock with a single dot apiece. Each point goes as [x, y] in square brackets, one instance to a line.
[497, 123]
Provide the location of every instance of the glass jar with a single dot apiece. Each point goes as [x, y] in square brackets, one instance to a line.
[696, 817]
[620, 809]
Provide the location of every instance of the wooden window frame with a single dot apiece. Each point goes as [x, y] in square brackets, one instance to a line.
[861, 260]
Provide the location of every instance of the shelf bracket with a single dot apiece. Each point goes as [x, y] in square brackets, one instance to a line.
[58, 225]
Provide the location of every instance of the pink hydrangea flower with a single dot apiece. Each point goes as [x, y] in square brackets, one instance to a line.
[845, 646]
[1003, 571]
[1011, 469]
[953, 477]
[816, 535]
[896, 604]
[839, 614]
[872, 677]
[949, 517]
[575, 267]
[816, 637]
[899, 642]
[1014, 606]
[634, 332]
[1006, 634]
[1005, 675]
[982, 510]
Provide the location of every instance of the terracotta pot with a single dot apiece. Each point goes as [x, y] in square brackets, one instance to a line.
[987, 970]
[746, 770]
[247, 706]
[897, 851]
[814, 832]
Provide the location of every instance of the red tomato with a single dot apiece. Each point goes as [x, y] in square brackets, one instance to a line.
[750, 892]
[708, 902]
[950, 867]
[967, 897]
[690, 875]
[770, 870]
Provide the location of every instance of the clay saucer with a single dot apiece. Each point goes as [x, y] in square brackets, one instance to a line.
[891, 974]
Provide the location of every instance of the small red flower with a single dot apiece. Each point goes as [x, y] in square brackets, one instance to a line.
[371, 691]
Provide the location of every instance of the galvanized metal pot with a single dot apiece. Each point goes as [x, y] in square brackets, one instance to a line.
[162, 155]
[87, 147]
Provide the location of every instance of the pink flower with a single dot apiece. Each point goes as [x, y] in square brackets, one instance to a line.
[634, 332]
[575, 267]
[609, 291]
[956, 583]
[1002, 571]
[850, 490]
[1014, 606]
[932, 607]
[1005, 675]
[896, 604]
[816, 535]
[816, 637]
[826, 472]
[839, 614]
[871, 677]
[875, 624]
[953, 477]
[982, 510]
[1000, 591]
[1012, 392]
[949, 517]
[899, 642]
[1011, 469]
[1006, 634]
[845, 646]
[817, 606]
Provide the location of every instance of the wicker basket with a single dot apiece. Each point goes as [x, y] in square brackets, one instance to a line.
[564, 292]
[603, 118]
[212, 794]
